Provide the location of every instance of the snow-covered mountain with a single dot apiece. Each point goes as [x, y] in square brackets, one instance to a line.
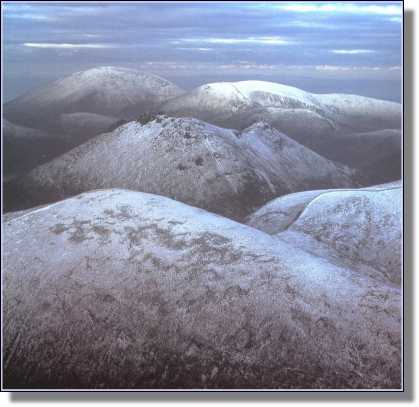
[122, 289]
[227, 103]
[221, 170]
[317, 121]
[231, 97]
[337, 126]
[110, 91]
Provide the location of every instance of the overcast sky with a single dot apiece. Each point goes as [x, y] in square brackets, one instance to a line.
[352, 47]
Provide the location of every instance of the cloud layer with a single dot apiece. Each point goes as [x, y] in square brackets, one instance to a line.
[66, 45]
[291, 38]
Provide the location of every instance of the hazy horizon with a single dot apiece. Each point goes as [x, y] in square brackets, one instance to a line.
[321, 47]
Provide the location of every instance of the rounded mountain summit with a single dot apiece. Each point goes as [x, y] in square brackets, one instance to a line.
[108, 90]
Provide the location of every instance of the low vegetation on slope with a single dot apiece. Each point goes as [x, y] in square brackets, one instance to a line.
[121, 289]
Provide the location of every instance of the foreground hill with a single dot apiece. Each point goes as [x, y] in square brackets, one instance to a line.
[120, 289]
[108, 91]
[217, 169]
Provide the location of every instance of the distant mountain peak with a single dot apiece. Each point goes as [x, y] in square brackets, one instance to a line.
[113, 91]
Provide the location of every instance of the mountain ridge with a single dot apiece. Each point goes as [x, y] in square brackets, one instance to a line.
[218, 169]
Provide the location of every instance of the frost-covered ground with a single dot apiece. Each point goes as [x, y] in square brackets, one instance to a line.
[121, 289]
[362, 226]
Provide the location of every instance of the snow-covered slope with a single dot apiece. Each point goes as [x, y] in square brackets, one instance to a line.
[222, 102]
[218, 169]
[110, 91]
[305, 126]
[317, 121]
[249, 93]
[277, 215]
[121, 289]
[362, 226]
[361, 113]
